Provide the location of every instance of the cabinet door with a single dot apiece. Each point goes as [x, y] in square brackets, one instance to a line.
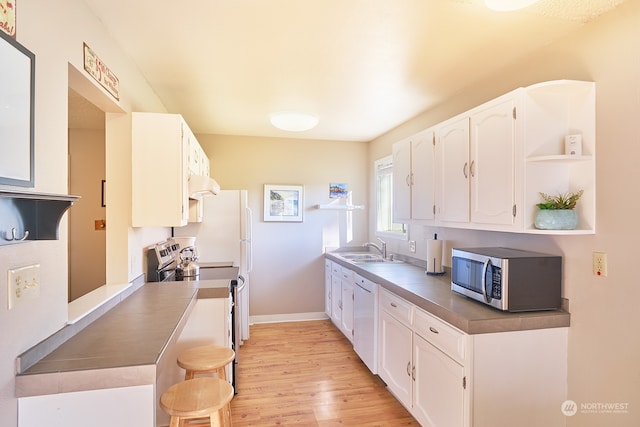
[159, 170]
[452, 152]
[422, 170]
[402, 180]
[336, 300]
[394, 357]
[327, 287]
[439, 391]
[493, 162]
[347, 309]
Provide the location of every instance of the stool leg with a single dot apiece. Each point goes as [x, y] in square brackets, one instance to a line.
[222, 373]
[226, 416]
[175, 422]
[214, 419]
[189, 374]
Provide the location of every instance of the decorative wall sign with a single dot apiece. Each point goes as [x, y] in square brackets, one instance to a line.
[283, 203]
[99, 71]
[8, 17]
[338, 191]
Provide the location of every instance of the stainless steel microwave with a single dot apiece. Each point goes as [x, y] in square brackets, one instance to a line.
[508, 279]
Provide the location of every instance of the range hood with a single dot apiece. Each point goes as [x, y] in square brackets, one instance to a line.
[201, 185]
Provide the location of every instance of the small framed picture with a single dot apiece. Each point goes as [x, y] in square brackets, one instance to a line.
[338, 191]
[283, 203]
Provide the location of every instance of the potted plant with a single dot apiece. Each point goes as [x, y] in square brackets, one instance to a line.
[558, 212]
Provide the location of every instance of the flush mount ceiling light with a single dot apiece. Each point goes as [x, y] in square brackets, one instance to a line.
[293, 121]
[507, 5]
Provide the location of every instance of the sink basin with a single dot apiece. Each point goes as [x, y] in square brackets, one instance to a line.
[360, 257]
[364, 258]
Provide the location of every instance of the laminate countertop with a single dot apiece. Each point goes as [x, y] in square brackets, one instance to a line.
[434, 295]
[123, 346]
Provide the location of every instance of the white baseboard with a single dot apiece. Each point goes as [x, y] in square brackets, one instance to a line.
[292, 317]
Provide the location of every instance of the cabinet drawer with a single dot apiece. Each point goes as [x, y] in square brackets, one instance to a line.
[442, 335]
[399, 308]
[347, 274]
[336, 268]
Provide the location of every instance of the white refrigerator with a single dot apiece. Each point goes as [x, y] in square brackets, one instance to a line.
[224, 237]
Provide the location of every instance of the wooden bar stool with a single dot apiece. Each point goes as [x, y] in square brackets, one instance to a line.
[203, 399]
[206, 359]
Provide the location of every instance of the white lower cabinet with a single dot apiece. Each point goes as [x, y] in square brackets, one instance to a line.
[447, 378]
[339, 304]
[438, 386]
[327, 287]
[394, 356]
[336, 294]
[346, 290]
[346, 324]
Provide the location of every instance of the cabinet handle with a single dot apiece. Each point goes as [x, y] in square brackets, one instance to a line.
[413, 373]
[407, 181]
[393, 304]
[434, 330]
[409, 368]
[472, 168]
[464, 170]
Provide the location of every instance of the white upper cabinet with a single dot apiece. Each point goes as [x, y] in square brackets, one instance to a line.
[452, 153]
[493, 155]
[164, 153]
[493, 161]
[414, 177]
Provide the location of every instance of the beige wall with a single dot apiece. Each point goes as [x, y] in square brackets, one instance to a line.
[87, 245]
[604, 346]
[55, 32]
[288, 276]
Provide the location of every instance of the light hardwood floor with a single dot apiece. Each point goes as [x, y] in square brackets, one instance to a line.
[307, 374]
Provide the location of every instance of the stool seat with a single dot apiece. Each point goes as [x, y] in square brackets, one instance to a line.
[205, 397]
[205, 359]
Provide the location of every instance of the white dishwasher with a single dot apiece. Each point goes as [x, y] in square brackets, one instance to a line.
[365, 321]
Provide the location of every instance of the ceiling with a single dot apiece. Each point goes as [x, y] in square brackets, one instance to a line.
[362, 66]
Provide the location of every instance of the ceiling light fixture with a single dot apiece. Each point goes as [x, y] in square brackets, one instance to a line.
[293, 121]
[508, 5]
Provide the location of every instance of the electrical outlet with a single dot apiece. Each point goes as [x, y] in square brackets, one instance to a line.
[600, 264]
[412, 246]
[23, 284]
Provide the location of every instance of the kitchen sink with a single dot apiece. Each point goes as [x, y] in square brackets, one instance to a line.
[364, 258]
[361, 257]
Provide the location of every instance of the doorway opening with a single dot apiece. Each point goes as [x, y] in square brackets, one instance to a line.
[87, 219]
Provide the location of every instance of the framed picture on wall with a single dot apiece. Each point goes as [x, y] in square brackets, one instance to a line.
[17, 74]
[283, 203]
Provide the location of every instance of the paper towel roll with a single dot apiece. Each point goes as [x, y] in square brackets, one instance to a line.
[434, 257]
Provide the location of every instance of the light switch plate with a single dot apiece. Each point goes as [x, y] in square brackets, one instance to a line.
[23, 284]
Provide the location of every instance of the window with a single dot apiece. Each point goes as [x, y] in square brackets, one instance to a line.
[384, 201]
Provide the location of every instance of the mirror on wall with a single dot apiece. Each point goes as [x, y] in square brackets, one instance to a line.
[17, 74]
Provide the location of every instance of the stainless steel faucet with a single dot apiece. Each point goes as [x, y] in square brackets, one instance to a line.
[382, 250]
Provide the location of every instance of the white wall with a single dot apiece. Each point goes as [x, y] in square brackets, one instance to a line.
[55, 31]
[288, 275]
[604, 346]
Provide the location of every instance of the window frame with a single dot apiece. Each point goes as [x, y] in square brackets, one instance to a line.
[398, 231]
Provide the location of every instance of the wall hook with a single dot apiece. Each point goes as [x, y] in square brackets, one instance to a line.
[14, 236]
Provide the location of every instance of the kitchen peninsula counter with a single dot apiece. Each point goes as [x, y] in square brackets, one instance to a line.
[125, 346]
[434, 295]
